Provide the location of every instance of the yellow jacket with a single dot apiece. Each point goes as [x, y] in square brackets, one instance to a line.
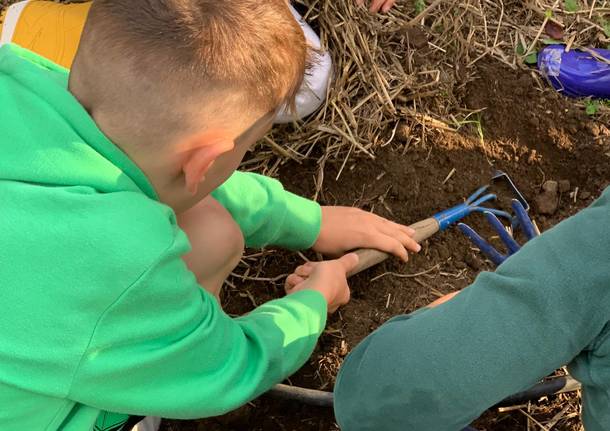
[50, 29]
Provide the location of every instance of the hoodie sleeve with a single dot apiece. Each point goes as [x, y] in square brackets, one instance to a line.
[166, 348]
[267, 214]
[441, 368]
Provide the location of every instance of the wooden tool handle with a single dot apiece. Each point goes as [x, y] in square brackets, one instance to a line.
[368, 257]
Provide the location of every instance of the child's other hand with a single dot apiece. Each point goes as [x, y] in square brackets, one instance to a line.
[442, 300]
[376, 5]
[345, 229]
[329, 278]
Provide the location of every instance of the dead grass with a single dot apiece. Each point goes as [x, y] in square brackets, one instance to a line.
[400, 72]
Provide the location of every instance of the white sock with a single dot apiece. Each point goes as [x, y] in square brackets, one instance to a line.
[149, 423]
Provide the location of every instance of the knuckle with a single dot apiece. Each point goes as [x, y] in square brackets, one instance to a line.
[363, 236]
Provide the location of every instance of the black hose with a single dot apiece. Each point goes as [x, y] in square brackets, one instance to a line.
[311, 397]
[550, 386]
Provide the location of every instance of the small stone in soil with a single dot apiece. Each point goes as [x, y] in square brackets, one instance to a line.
[584, 195]
[547, 203]
[403, 132]
[564, 186]
[550, 187]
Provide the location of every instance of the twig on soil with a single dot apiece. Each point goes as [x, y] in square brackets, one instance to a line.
[449, 176]
[419, 274]
[558, 417]
[531, 418]
[265, 279]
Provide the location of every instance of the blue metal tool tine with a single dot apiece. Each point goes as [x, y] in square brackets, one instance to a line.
[476, 194]
[496, 212]
[503, 175]
[526, 224]
[508, 240]
[494, 255]
[486, 198]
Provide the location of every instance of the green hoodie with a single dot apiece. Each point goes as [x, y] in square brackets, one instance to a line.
[100, 312]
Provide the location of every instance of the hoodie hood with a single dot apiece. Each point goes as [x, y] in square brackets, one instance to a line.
[47, 137]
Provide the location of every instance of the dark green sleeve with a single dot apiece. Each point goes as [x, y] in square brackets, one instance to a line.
[439, 369]
[267, 214]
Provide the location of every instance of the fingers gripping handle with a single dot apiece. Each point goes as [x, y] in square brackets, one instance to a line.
[368, 257]
[425, 229]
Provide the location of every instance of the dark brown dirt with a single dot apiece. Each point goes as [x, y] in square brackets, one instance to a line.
[532, 135]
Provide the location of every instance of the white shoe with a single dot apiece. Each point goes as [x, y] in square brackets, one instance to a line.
[313, 91]
[149, 423]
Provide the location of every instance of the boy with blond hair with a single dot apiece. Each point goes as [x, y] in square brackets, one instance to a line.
[53, 30]
[120, 201]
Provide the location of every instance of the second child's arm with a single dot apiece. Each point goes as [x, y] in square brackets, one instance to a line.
[441, 367]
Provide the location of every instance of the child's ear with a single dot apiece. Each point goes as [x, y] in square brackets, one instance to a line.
[206, 149]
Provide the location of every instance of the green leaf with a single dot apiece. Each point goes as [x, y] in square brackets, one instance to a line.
[420, 5]
[548, 13]
[591, 107]
[531, 58]
[550, 41]
[606, 26]
[571, 5]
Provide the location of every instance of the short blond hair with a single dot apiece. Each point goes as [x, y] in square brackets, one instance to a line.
[254, 47]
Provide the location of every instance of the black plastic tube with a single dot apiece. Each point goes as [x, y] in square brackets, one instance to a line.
[311, 397]
[550, 386]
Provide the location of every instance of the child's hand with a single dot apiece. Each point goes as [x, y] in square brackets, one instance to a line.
[345, 229]
[442, 300]
[329, 278]
[384, 5]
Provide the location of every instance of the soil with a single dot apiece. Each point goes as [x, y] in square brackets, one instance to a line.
[523, 128]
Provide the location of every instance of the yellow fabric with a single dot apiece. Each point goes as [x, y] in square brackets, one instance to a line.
[52, 30]
[2, 15]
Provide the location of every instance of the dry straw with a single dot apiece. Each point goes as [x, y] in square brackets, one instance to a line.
[397, 75]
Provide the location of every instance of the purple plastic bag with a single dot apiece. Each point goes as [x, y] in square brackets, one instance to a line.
[576, 73]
